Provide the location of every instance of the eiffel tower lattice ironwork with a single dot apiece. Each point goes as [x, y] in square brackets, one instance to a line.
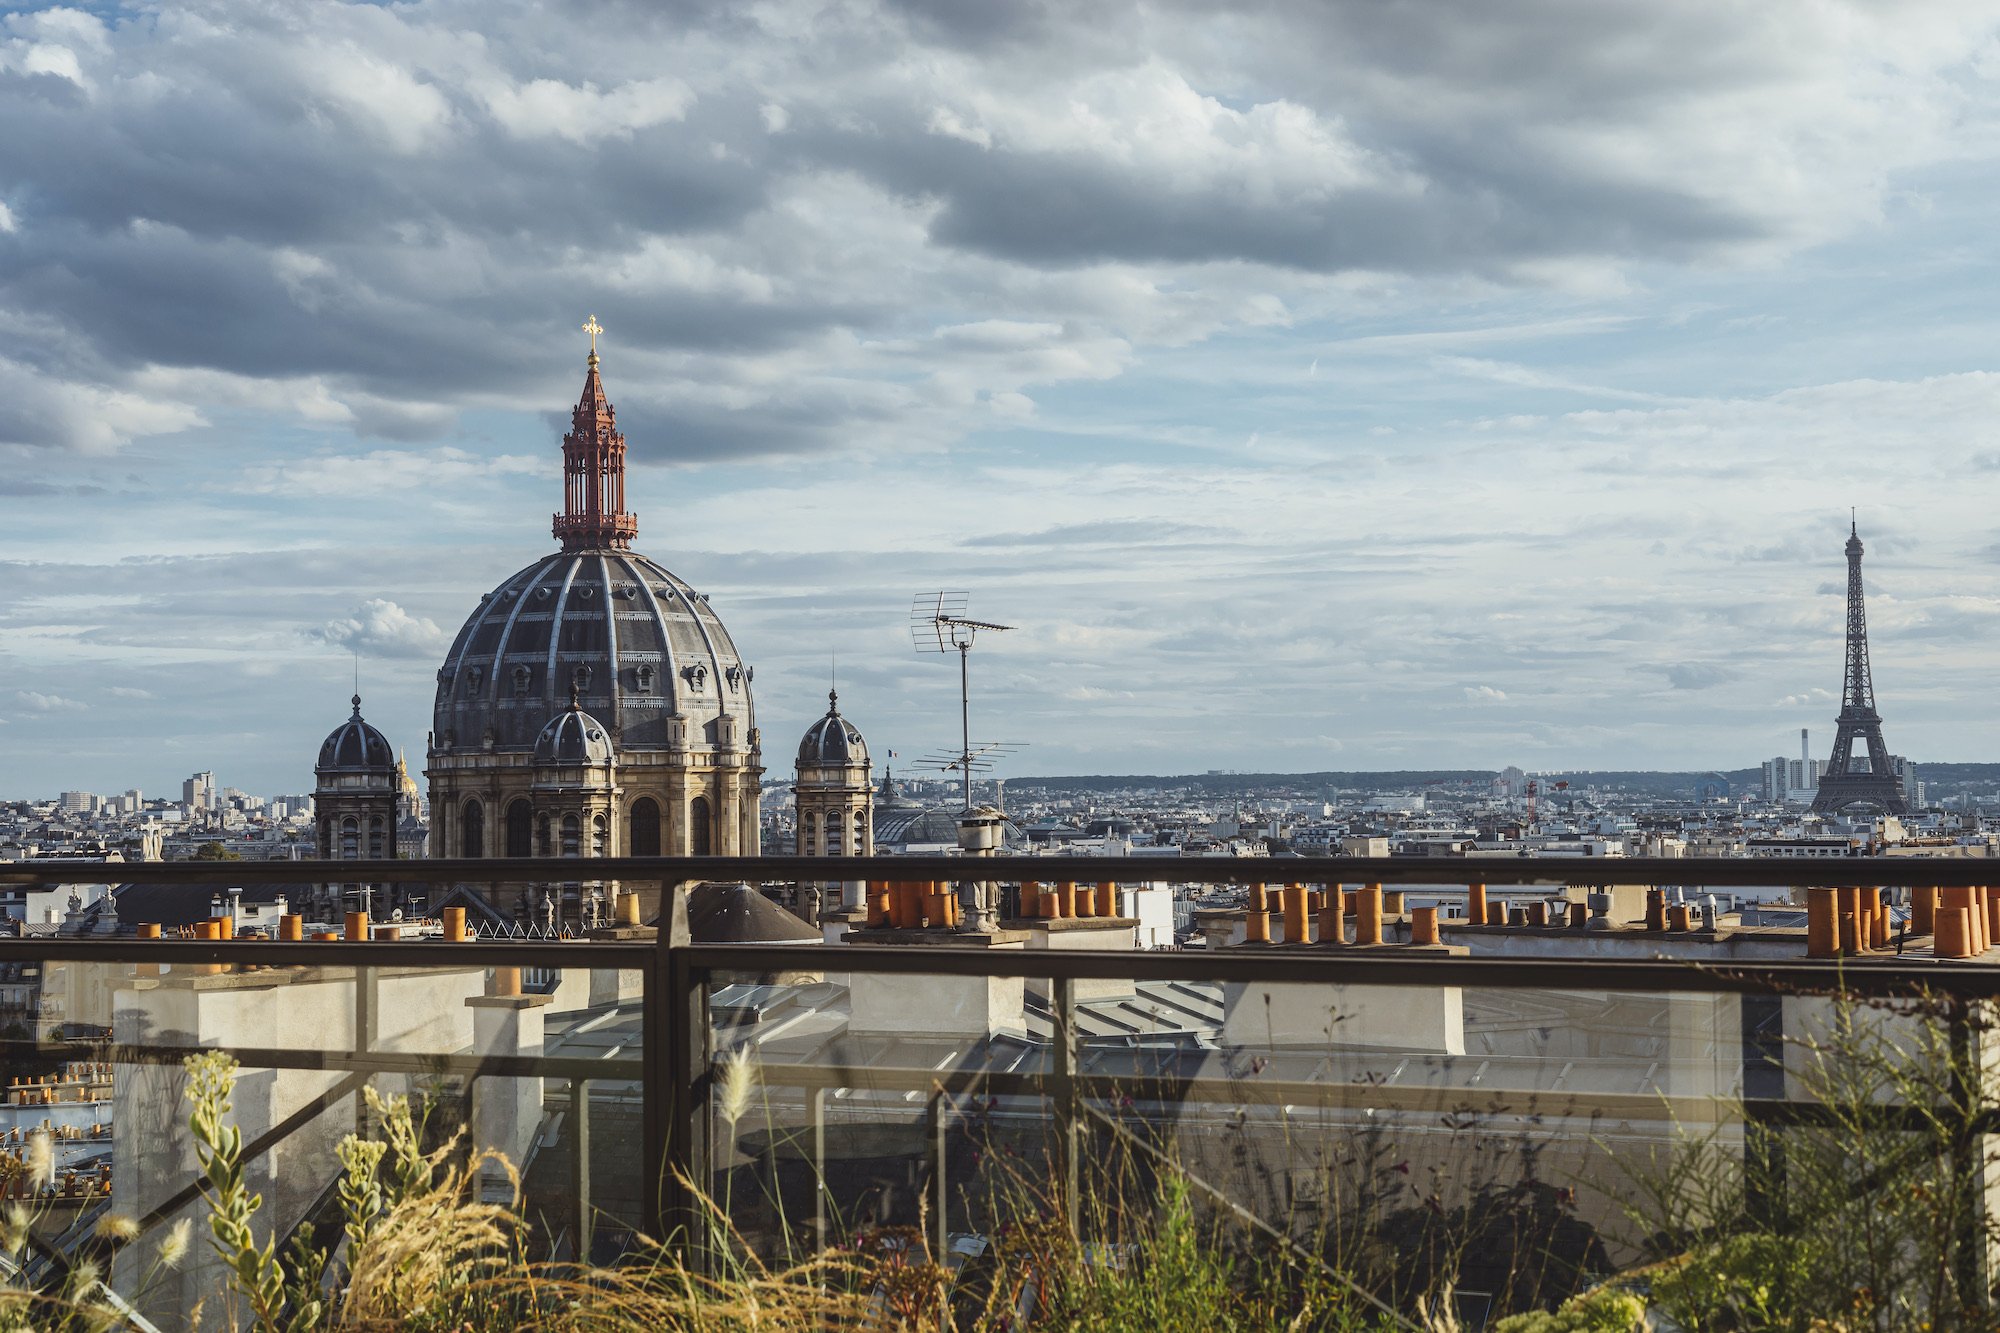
[1842, 784]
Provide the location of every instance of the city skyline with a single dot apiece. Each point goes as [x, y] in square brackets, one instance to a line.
[1277, 462]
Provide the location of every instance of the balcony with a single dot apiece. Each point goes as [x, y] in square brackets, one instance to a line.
[1459, 1122]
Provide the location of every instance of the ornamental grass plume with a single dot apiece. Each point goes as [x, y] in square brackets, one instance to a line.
[116, 1229]
[41, 1159]
[739, 1085]
[174, 1245]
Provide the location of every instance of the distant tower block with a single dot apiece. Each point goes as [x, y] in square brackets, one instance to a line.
[1842, 784]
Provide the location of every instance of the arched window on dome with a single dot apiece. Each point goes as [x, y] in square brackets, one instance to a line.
[350, 839]
[698, 831]
[523, 678]
[520, 829]
[472, 835]
[571, 835]
[645, 835]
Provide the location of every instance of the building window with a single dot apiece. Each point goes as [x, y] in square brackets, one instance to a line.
[597, 835]
[570, 835]
[542, 847]
[375, 839]
[861, 833]
[645, 839]
[472, 838]
[581, 679]
[643, 677]
[520, 829]
[350, 839]
[698, 832]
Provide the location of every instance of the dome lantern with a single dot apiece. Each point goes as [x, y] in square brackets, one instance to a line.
[593, 516]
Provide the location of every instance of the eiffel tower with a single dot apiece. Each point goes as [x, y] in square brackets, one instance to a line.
[1842, 784]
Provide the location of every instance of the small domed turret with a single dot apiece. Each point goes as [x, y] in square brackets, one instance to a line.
[573, 739]
[356, 747]
[833, 741]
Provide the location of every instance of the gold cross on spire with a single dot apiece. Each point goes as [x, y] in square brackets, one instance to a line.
[593, 328]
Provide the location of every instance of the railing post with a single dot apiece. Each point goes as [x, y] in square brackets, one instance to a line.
[579, 1119]
[934, 1116]
[1062, 1090]
[676, 1079]
[1762, 1052]
[817, 1105]
[1968, 1160]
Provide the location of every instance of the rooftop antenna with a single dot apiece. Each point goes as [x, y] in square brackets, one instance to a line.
[938, 624]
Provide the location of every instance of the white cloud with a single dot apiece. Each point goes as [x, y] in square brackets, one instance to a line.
[48, 703]
[582, 114]
[1813, 697]
[381, 628]
[1484, 694]
[129, 692]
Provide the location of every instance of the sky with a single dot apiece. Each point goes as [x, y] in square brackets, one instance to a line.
[1313, 386]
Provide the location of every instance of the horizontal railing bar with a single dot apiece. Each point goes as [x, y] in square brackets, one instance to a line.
[352, 1062]
[1691, 871]
[1170, 1090]
[602, 955]
[1386, 965]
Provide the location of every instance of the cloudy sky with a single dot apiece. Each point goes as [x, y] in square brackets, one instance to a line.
[1316, 386]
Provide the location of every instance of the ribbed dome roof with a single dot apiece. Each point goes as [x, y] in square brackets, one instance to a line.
[356, 747]
[573, 739]
[928, 825]
[636, 643]
[833, 741]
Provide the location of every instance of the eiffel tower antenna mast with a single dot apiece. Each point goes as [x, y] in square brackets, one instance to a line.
[1843, 784]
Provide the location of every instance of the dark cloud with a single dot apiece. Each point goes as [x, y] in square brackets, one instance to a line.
[403, 202]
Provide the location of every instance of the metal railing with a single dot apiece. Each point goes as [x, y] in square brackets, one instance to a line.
[676, 1063]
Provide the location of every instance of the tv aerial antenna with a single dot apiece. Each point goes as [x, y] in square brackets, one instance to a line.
[938, 624]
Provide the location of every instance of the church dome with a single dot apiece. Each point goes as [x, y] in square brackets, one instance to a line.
[833, 741]
[637, 644]
[573, 739]
[356, 747]
[639, 647]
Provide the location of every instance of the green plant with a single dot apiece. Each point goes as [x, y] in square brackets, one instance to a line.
[1869, 1214]
[1605, 1310]
[255, 1273]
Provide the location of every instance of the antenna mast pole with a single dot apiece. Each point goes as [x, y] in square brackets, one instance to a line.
[965, 716]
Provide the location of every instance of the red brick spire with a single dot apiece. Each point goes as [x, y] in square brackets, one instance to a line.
[594, 517]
